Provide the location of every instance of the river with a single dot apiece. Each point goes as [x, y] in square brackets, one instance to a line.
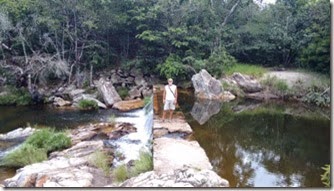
[255, 144]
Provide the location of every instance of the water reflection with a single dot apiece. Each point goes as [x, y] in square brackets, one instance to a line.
[203, 110]
[265, 144]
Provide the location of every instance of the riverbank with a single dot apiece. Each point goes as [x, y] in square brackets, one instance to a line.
[286, 85]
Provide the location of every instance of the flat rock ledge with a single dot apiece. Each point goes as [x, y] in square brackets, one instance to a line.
[182, 177]
[68, 168]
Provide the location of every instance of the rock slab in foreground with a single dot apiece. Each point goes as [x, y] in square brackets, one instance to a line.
[68, 168]
[171, 154]
[183, 177]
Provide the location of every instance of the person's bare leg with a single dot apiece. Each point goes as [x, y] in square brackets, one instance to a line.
[164, 116]
[171, 115]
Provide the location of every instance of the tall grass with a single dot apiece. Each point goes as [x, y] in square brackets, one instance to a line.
[49, 139]
[143, 164]
[26, 154]
[88, 104]
[277, 86]
[248, 69]
[36, 148]
[121, 173]
[100, 160]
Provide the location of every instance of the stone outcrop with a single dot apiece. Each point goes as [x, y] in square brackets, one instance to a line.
[207, 87]
[247, 83]
[262, 96]
[129, 105]
[183, 177]
[203, 110]
[60, 102]
[17, 134]
[68, 168]
[108, 92]
[177, 125]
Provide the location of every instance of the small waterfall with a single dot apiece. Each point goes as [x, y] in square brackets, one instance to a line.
[130, 145]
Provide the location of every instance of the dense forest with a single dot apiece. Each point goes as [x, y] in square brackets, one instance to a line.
[61, 39]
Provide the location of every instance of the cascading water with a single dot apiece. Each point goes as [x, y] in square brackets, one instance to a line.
[132, 144]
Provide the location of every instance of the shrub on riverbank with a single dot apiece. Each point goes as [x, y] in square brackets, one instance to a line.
[49, 140]
[16, 97]
[24, 155]
[88, 104]
[144, 164]
[123, 92]
[36, 148]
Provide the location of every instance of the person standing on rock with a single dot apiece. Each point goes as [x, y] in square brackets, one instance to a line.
[169, 99]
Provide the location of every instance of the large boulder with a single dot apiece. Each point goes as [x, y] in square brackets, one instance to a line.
[108, 92]
[207, 87]
[183, 177]
[203, 110]
[246, 83]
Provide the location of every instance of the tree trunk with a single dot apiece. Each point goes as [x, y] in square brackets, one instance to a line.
[91, 75]
[70, 75]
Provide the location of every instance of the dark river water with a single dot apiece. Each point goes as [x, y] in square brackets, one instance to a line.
[253, 144]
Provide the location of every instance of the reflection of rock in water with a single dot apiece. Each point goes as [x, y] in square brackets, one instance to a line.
[204, 109]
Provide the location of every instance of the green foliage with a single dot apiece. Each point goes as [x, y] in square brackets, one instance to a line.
[16, 97]
[100, 160]
[219, 62]
[143, 164]
[120, 173]
[26, 154]
[317, 98]
[172, 67]
[88, 104]
[123, 92]
[326, 176]
[248, 69]
[49, 140]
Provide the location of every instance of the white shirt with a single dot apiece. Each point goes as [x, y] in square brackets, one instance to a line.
[169, 94]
